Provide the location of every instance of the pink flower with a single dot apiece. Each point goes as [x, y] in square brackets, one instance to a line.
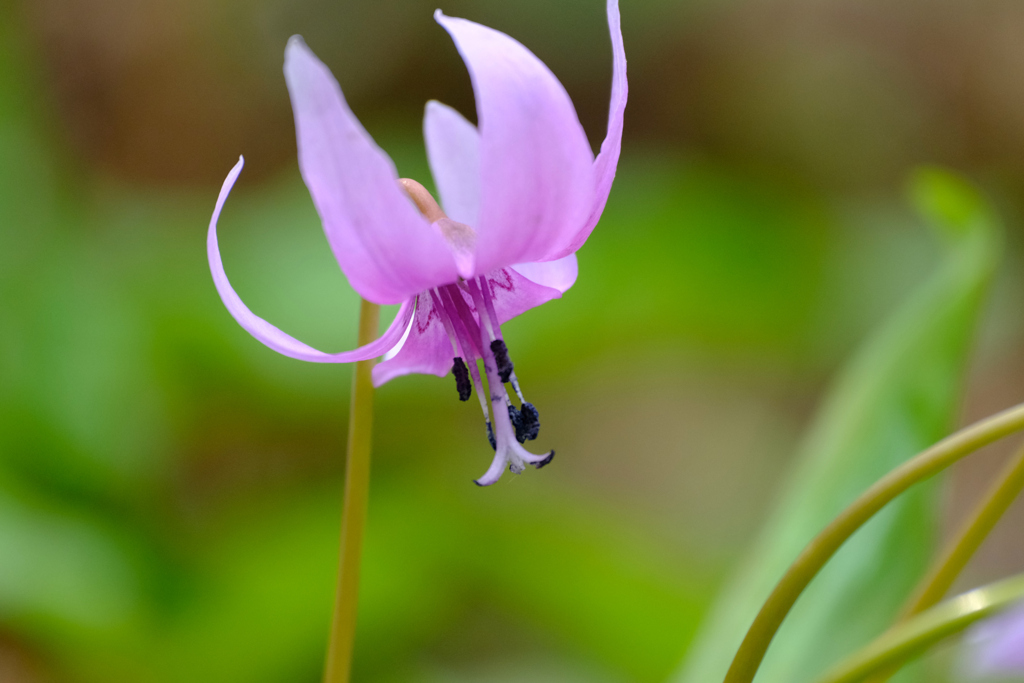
[521, 194]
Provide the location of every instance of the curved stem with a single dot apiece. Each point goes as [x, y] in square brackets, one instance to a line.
[915, 635]
[962, 547]
[353, 516]
[813, 557]
[992, 507]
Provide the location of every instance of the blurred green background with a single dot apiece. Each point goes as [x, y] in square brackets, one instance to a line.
[170, 489]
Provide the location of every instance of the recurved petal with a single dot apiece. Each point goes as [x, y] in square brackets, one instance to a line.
[608, 158]
[536, 166]
[384, 246]
[559, 274]
[267, 333]
[426, 350]
[453, 149]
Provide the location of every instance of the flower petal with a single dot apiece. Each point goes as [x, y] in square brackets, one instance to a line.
[536, 166]
[513, 294]
[608, 159]
[386, 249]
[453, 149]
[427, 350]
[559, 274]
[267, 333]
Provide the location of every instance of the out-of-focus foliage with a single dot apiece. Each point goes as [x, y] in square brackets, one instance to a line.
[897, 396]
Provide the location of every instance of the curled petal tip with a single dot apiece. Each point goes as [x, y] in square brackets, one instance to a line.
[233, 174]
[438, 15]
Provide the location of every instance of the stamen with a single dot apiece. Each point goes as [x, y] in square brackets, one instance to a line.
[462, 383]
[530, 419]
[487, 321]
[528, 426]
[517, 422]
[439, 307]
[514, 381]
[502, 360]
[459, 370]
[465, 316]
[488, 297]
[485, 308]
[450, 316]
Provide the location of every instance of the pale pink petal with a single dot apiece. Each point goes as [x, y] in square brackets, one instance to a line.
[453, 148]
[536, 166]
[608, 158]
[386, 249]
[427, 350]
[560, 274]
[514, 294]
[267, 333]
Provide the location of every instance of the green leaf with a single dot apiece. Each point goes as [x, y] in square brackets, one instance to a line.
[896, 396]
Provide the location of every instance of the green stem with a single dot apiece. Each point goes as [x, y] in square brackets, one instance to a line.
[353, 517]
[992, 507]
[813, 557]
[920, 632]
[961, 548]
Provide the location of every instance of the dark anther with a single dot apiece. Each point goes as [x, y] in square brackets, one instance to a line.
[545, 461]
[517, 422]
[490, 437]
[501, 358]
[462, 382]
[530, 419]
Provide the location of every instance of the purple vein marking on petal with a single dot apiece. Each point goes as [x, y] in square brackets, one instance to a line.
[267, 333]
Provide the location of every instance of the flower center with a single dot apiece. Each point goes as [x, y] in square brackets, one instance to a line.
[466, 310]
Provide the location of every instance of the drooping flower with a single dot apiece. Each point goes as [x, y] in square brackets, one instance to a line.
[521, 194]
[996, 645]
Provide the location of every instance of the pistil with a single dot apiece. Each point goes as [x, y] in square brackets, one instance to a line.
[527, 419]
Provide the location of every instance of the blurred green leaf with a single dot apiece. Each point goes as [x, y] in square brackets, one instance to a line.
[60, 570]
[948, 202]
[898, 395]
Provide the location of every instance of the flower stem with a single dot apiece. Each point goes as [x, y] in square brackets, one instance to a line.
[907, 639]
[814, 556]
[353, 517]
[992, 507]
[960, 549]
